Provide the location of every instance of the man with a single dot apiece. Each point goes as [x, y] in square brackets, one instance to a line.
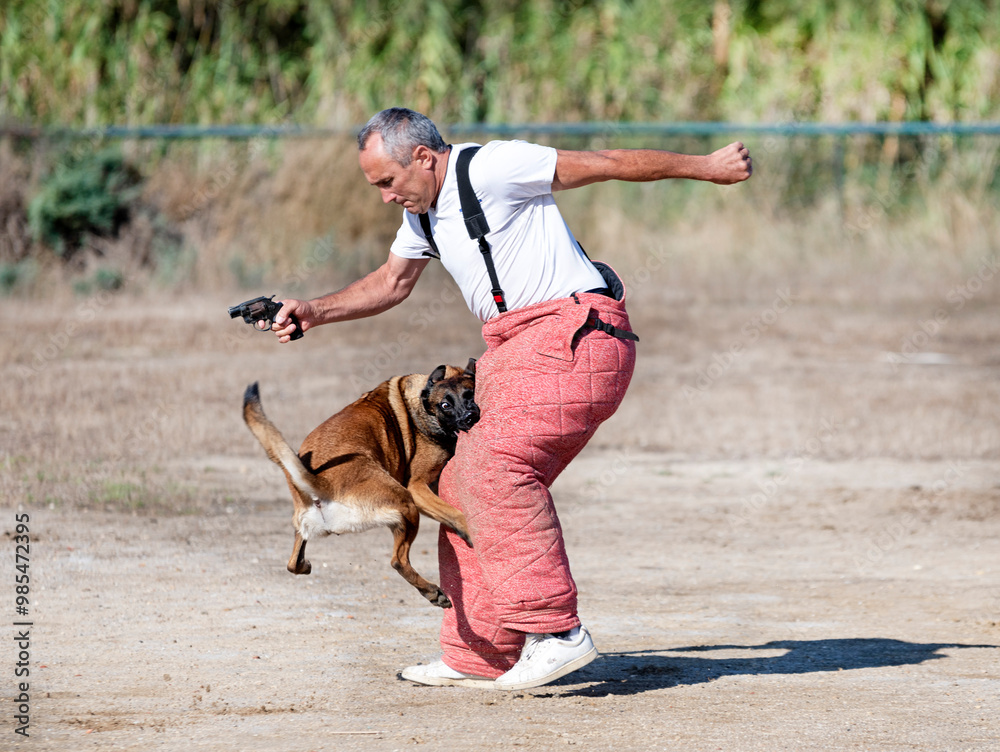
[557, 364]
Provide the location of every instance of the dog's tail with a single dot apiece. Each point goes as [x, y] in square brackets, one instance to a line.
[275, 445]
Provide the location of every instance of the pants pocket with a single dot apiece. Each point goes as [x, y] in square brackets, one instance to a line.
[551, 343]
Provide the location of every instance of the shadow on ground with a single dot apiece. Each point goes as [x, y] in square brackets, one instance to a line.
[639, 671]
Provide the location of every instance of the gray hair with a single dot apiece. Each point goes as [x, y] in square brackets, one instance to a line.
[402, 130]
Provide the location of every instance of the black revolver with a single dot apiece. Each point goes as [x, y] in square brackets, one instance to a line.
[262, 310]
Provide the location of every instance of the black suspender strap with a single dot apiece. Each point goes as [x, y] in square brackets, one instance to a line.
[425, 225]
[477, 227]
[475, 224]
[472, 210]
[475, 221]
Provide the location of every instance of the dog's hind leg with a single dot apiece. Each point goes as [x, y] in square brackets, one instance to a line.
[437, 509]
[298, 563]
[404, 533]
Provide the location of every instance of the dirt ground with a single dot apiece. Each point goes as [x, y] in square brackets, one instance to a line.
[788, 538]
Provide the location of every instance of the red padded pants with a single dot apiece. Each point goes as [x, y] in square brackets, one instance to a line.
[544, 385]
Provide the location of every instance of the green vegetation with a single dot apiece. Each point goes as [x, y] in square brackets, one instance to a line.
[222, 212]
[87, 192]
[15, 274]
[319, 61]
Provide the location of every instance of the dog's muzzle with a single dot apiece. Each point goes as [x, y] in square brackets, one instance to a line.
[468, 419]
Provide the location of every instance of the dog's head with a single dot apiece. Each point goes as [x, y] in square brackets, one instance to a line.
[450, 397]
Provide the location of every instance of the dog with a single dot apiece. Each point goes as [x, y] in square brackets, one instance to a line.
[375, 463]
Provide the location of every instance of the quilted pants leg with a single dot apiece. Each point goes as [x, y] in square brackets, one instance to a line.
[544, 385]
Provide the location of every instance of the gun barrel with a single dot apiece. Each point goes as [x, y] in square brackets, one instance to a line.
[236, 311]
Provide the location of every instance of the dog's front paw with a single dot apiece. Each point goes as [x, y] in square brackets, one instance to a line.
[438, 598]
[461, 530]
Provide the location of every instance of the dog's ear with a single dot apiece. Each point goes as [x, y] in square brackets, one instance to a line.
[471, 368]
[436, 375]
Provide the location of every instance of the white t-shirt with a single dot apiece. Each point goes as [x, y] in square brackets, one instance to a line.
[536, 256]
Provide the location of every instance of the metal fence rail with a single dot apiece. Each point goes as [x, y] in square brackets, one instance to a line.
[236, 132]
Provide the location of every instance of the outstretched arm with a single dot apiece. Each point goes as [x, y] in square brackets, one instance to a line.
[379, 291]
[730, 164]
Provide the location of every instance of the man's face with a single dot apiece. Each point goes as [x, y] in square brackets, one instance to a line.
[413, 187]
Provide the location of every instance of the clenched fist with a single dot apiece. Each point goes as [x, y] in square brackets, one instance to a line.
[730, 164]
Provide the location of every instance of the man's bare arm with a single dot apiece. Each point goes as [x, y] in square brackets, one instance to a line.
[730, 164]
[387, 286]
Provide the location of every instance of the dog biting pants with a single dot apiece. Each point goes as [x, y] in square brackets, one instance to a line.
[546, 382]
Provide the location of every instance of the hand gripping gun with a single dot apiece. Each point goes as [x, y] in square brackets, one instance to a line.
[262, 311]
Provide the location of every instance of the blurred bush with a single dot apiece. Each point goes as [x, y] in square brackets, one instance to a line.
[17, 274]
[86, 193]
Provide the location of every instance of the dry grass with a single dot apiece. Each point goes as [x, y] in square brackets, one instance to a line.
[298, 215]
[260, 210]
[132, 401]
[776, 511]
[304, 202]
[117, 398]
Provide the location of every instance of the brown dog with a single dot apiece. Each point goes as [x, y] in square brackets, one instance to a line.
[375, 463]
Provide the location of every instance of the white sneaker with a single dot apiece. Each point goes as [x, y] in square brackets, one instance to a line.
[546, 657]
[440, 674]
